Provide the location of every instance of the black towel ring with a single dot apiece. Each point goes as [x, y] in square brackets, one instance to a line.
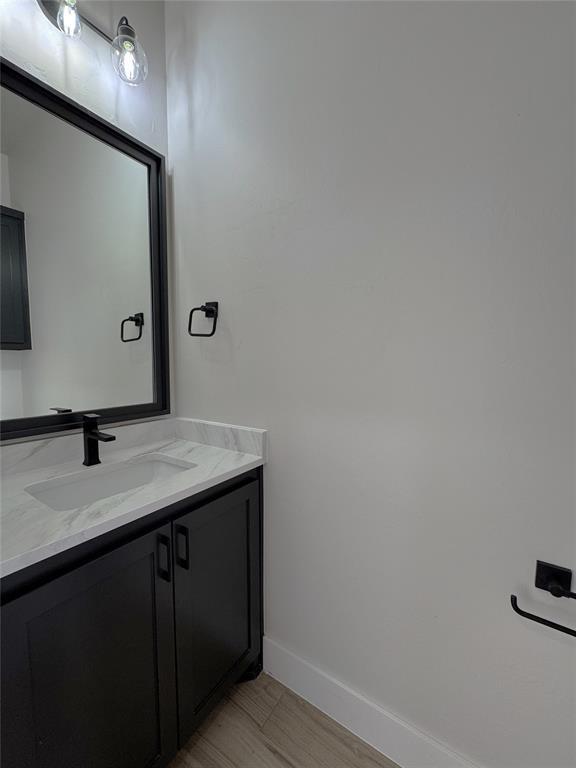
[210, 309]
[138, 320]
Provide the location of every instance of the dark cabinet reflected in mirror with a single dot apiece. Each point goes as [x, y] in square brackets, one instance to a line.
[14, 308]
[83, 266]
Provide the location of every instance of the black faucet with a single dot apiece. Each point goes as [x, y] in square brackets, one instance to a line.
[92, 436]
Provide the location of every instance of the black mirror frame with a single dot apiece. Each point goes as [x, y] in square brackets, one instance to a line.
[21, 83]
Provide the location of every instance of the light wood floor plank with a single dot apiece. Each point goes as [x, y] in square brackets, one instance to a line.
[258, 697]
[201, 754]
[194, 758]
[237, 737]
[310, 738]
[262, 724]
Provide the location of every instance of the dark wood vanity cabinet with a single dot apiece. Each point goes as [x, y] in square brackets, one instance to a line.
[114, 663]
[216, 598]
[88, 665]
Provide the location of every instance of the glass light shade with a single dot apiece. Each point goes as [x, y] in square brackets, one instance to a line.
[129, 58]
[69, 19]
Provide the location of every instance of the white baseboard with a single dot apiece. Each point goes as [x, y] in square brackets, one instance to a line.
[399, 741]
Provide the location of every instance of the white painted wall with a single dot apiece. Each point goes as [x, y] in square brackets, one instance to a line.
[88, 257]
[11, 360]
[381, 197]
[5, 195]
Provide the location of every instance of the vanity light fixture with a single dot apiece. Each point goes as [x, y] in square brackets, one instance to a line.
[128, 56]
[69, 18]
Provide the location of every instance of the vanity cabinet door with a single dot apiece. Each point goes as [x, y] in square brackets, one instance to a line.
[88, 664]
[217, 600]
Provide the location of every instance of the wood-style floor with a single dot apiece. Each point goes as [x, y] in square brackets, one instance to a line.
[262, 724]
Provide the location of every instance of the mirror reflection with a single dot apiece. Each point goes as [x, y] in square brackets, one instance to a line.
[75, 326]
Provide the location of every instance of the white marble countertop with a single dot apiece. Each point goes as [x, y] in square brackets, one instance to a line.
[31, 531]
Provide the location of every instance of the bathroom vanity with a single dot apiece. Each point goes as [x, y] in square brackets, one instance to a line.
[131, 556]
[124, 621]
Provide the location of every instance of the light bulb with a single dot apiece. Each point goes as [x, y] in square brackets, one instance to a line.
[128, 57]
[69, 18]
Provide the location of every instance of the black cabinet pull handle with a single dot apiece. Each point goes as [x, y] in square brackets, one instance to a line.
[539, 619]
[138, 320]
[163, 545]
[210, 309]
[181, 532]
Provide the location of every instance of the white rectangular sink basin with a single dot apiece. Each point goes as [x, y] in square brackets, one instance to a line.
[80, 489]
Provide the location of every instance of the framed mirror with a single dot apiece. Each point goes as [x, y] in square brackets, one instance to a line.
[84, 298]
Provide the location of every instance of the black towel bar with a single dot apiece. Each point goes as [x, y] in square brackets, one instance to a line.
[539, 619]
